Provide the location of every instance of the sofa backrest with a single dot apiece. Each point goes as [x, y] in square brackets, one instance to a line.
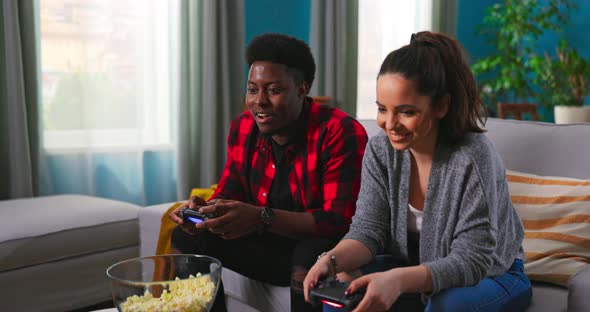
[535, 147]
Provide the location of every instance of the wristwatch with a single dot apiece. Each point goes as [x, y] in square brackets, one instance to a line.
[267, 215]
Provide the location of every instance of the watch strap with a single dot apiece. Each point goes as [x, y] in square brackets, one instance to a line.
[267, 216]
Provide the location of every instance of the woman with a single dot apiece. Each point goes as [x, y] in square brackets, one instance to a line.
[433, 194]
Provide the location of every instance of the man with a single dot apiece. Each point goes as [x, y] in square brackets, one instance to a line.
[291, 178]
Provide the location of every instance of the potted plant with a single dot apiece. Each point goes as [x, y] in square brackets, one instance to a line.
[513, 27]
[564, 81]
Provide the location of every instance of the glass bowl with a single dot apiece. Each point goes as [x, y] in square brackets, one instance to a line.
[178, 282]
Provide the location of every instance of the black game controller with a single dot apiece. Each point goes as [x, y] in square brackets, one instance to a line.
[331, 292]
[194, 216]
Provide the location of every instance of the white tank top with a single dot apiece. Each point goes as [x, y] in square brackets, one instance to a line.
[414, 219]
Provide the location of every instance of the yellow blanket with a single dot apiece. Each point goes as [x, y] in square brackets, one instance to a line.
[167, 226]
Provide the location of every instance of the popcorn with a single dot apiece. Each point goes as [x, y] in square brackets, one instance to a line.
[189, 295]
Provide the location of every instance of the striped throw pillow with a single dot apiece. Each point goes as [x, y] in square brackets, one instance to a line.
[555, 212]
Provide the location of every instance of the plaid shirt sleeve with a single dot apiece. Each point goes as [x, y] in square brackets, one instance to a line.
[342, 154]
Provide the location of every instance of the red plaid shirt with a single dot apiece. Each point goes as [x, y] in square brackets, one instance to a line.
[326, 160]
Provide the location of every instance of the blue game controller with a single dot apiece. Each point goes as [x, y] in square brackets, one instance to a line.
[194, 216]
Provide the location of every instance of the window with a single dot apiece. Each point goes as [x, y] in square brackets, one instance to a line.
[384, 26]
[106, 67]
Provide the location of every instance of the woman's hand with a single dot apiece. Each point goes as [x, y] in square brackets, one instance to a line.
[192, 203]
[320, 270]
[235, 218]
[382, 290]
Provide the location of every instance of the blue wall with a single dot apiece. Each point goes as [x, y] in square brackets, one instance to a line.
[291, 17]
[471, 14]
[576, 32]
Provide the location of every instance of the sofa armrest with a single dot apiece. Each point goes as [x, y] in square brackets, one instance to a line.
[149, 227]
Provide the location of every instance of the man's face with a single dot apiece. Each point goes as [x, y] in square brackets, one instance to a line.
[273, 97]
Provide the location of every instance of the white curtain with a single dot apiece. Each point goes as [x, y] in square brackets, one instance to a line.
[388, 25]
[138, 95]
[107, 108]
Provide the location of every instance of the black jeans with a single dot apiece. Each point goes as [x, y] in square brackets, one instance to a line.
[269, 258]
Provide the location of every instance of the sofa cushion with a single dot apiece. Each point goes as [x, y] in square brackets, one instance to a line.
[256, 294]
[579, 288]
[555, 212]
[150, 220]
[542, 148]
[547, 297]
[43, 229]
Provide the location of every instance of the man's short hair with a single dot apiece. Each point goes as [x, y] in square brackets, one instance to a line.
[286, 50]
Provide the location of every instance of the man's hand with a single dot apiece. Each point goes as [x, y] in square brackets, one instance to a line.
[188, 227]
[235, 218]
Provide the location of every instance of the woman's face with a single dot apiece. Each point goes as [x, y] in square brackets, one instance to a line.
[406, 117]
[273, 97]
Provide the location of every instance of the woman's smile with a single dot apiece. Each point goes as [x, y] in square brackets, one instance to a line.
[399, 137]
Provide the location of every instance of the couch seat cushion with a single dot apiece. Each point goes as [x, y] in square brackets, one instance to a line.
[548, 297]
[43, 229]
[579, 288]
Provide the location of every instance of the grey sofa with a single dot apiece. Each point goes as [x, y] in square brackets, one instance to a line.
[54, 250]
[532, 147]
[550, 150]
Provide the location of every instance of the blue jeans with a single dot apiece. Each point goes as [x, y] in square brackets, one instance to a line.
[510, 291]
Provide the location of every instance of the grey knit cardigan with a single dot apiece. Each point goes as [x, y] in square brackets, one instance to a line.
[470, 229]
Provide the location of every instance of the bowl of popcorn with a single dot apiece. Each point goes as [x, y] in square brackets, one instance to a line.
[179, 282]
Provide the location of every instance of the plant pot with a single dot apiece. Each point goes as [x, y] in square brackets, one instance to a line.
[571, 114]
